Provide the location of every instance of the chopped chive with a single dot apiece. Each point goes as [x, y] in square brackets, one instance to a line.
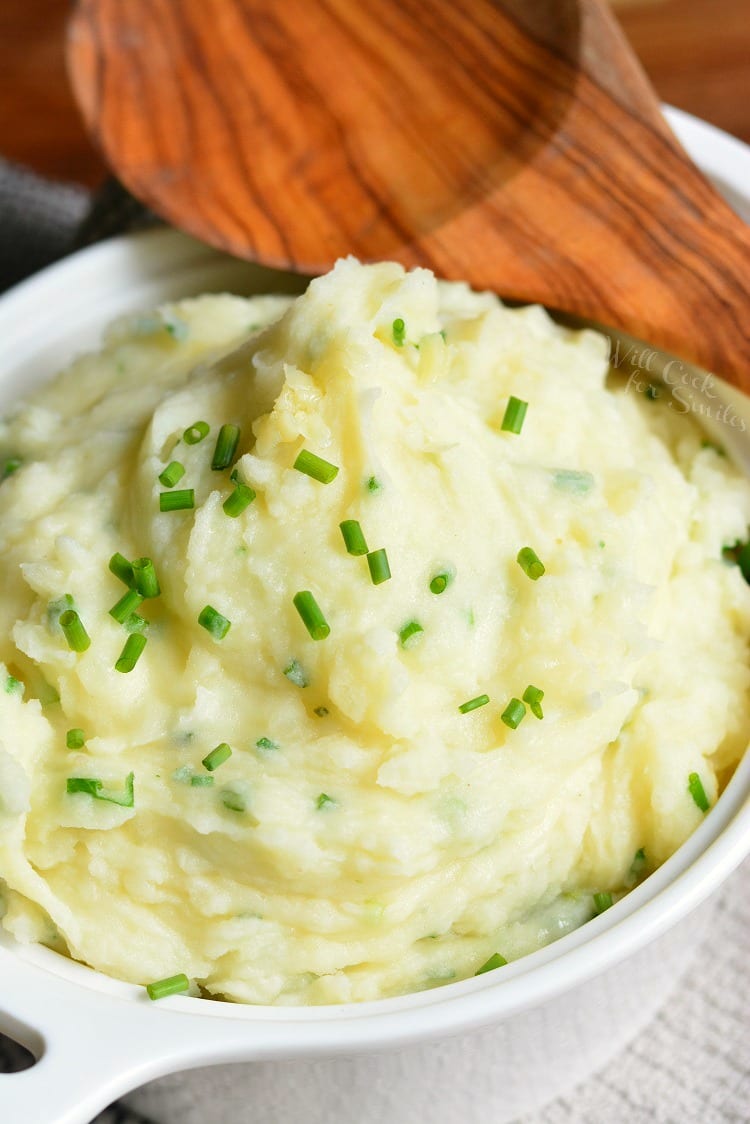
[214, 622]
[312, 615]
[236, 502]
[174, 985]
[530, 564]
[196, 432]
[295, 674]
[75, 739]
[316, 467]
[144, 576]
[515, 412]
[321, 711]
[121, 568]
[172, 474]
[127, 604]
[533, 696]
[10, 465]
[380, 571]
[265, 745]
[495, 961]
[226, 447]
[183, 499]
[637, 866]
[325, 801]
[233, 801]
[76, 635]
[374, 485]
[698, 792]
[131, 652]
[354, 540]
[513, 714]
[55, 610]
[570, 480]
[135, 623]
[440, 582]
[602, 901]
[201, 781]
[652, 392]
[410, 634]
[474, 704]
[398, 329]
[13, 686]
[218, 755]
[92, 786]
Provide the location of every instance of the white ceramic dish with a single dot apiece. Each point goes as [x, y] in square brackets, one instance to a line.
[556, 1014]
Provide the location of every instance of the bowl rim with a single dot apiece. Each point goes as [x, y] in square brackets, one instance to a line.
[696, 869]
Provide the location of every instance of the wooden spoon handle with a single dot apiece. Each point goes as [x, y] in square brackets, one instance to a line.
[513, 143]
[625, 229]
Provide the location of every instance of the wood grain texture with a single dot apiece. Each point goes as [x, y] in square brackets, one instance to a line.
[515, 145]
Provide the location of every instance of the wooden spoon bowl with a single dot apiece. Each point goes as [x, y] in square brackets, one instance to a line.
[511, 143]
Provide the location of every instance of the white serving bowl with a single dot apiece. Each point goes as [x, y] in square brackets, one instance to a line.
[554, 1016]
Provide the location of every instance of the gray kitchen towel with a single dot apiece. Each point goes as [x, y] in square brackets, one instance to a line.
[690, 1065]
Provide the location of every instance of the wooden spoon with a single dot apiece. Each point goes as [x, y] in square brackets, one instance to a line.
[512, 143]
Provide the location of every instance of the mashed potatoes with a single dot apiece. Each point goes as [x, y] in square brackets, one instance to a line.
[365, 836]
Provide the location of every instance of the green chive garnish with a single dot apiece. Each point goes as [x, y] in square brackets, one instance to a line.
[530, 564]
[226, 447]
[13, 686]
[474, 704]
[127, 604]
[182, 499]
[75, 739]
[441, 581]
[325, 801]
[399, 331]
[92, 786]
[55, 610]
[9, 466]
[121, 568]
[316, 467]
[515, 412]
[172, 474]
[380, 571]
[217, 756]
[131, 653]
[265, 745]
[171, 986]
[495, 961]
[135, 623]
[201, 781]
[374, 485]
[533, 696]
[295, 674]
[144, 576]
[196, 432]
[214, 622]
[602, 901]
[698, 792]
[233, 801]
[236, 502]
[652, 392]
[410, 634]
[321, 711]
[76, 635]
[513, 714]
[312, 616]
[354, 540]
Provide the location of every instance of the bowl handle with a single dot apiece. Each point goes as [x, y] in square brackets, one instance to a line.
[91, 1046]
